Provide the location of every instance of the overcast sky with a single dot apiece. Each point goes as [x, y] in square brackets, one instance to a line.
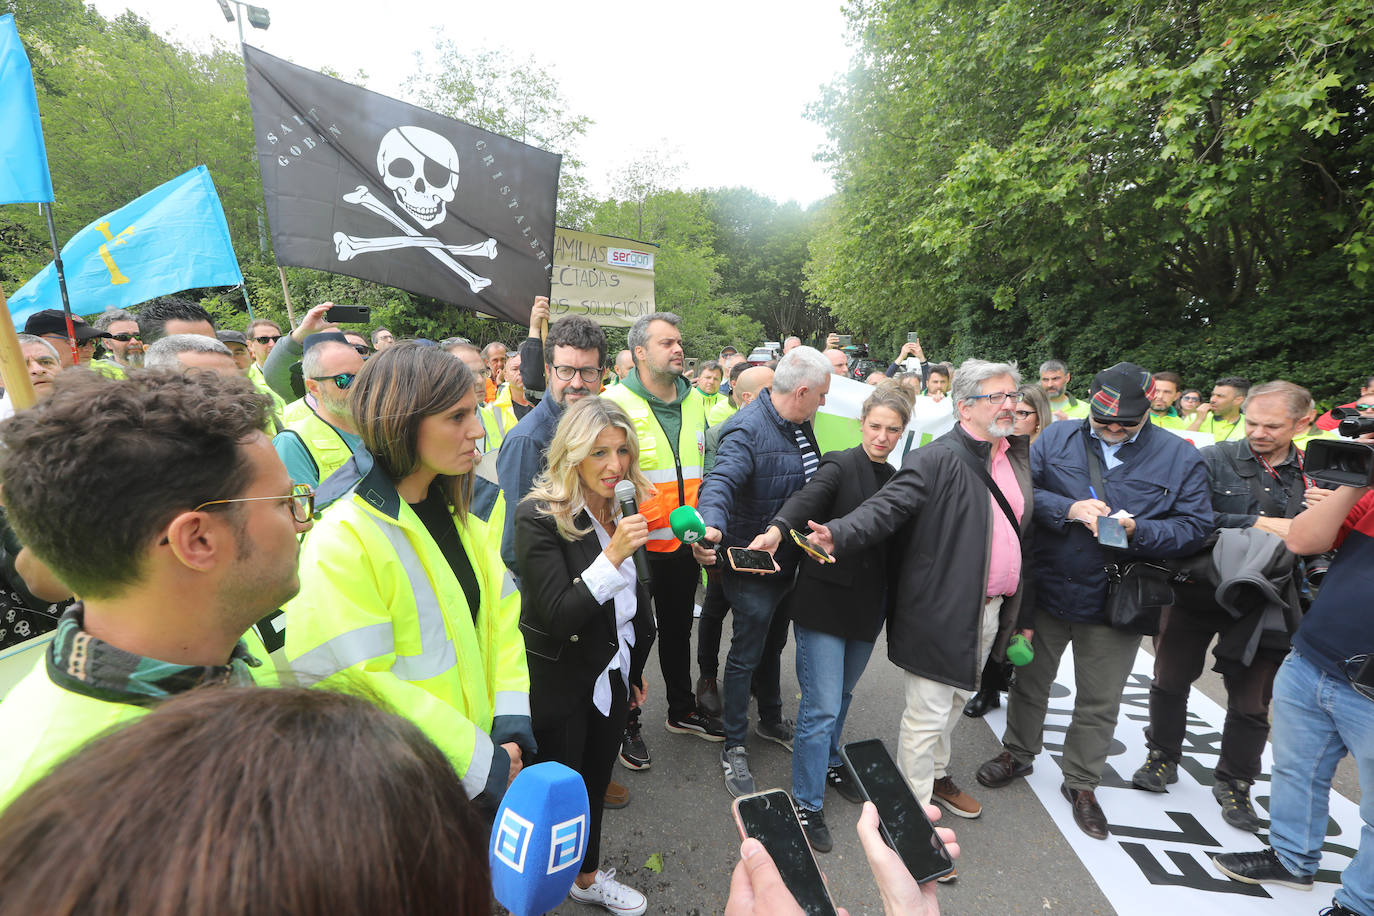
[722, 86]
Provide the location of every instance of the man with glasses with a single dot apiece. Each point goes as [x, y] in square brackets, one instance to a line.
[206, 545]
[122, 343]
[51, 325]
[964, 542]
[323, 439]
[1156, 483]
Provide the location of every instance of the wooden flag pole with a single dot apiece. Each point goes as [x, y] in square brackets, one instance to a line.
[13, 367]
[286, 294]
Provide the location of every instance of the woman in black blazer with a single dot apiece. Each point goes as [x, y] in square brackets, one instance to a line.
[837, 609]
[586, 618]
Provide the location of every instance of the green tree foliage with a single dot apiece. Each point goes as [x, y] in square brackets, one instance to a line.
[1153, 180]
[686, 280]
[762, 249]
[518, 99]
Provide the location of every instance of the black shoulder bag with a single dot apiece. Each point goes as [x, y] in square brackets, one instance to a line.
[966, 455]
[1137, 591]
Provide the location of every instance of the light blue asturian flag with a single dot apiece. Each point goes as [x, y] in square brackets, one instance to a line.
[170, 239]
[23, 158]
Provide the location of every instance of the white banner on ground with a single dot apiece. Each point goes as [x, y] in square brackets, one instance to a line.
[1157, 858]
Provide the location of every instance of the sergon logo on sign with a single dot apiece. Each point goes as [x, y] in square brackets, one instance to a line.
[627, 257]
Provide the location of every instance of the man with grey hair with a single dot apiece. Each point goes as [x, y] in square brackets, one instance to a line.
[123, 346]
[321, 441]
[669, 417]
[1256, 482]
[961, 506]
[1116, 463]
[190, 351]
[767, 452]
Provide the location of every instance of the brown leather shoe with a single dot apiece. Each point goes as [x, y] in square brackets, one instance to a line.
[617, 796]
[1087, 813]
[1001, 770]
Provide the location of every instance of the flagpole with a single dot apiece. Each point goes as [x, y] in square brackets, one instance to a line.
[13, 367]
[286, 293]
[243, 288]
[61, 278]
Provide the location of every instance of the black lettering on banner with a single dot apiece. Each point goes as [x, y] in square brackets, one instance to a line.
[1189, 831]
[1192, 873]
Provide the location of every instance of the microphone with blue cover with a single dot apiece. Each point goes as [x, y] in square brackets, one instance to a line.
[539, 838]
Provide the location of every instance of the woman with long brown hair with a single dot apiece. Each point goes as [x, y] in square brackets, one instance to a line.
[402, 584]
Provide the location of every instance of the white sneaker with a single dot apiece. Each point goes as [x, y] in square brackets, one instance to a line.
[610, 893]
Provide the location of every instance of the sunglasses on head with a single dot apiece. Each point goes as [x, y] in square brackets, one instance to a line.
[267, 339]
[341, 381]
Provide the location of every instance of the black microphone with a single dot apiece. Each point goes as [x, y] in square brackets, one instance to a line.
[625, 492]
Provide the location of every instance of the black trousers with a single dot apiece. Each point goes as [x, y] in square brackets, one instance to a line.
[714, 607]
[1180, 653]
[588, 742]
[674, 588]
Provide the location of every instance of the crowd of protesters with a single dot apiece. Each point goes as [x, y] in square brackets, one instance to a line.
[431, 536]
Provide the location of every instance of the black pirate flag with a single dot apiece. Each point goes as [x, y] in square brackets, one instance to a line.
[361, 184]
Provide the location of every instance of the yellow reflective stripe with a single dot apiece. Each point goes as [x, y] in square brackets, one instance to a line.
[479, 767]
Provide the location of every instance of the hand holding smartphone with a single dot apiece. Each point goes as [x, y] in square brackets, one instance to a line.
[900, 815]
[770, 818]
[742, 559]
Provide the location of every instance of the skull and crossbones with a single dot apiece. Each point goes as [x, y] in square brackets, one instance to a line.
[420, 168]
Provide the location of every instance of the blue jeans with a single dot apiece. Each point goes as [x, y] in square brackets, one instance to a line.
[828, 667]
[1317, 718]
[754, 645]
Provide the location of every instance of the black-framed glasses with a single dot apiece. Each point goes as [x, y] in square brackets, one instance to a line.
[590, 374]
[341, 381]
[302, 501]
[998, 398]
[125, 338]
[1024, 414]
[267, 339]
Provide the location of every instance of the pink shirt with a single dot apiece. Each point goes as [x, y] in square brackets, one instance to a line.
[1004, 560]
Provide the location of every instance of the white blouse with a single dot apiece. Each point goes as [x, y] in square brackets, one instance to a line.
[606, 580]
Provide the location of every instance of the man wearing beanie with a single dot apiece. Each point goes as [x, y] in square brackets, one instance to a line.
[1160, 482]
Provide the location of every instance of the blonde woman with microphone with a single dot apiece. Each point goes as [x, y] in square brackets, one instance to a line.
[585, 613]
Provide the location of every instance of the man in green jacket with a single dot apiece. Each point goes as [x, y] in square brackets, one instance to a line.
[205, 546]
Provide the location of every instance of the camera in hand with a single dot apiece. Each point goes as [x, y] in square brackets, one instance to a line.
[1338, 463]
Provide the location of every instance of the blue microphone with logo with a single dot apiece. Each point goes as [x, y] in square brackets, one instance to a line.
[538, 839]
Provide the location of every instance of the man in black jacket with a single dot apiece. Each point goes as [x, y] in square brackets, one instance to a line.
[1255, 482]
[958, 580]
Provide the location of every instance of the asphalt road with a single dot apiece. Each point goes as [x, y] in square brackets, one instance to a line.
[1014, 859]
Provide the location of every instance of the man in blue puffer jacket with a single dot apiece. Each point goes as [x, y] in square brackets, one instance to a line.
[1161, 482]
[767, 452]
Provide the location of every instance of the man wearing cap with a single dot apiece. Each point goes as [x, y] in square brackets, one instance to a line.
[51, 325]
[238, 346]
[322, 440]
[1156, 483]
